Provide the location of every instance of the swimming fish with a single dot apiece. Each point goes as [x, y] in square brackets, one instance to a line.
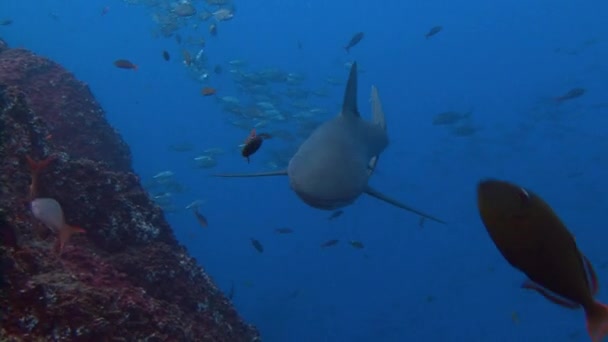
[49, 212]
[253, 143]
[329, 243]
[354, 41]
[331, 168]
[532, 238]
[433, 31]
[208, 91]
[257, 245]
[570, 95]
[283, 230]
[125, 64]
[202, 220]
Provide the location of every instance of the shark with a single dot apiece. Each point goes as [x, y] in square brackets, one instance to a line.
[332, 167]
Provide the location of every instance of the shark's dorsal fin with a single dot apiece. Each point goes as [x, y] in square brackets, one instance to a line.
[377, 112]
[258, 174]
[349, 106]
[377, 194]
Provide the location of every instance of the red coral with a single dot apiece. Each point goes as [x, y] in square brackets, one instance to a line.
[127, 278]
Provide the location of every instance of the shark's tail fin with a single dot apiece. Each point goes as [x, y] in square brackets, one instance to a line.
[377, 112]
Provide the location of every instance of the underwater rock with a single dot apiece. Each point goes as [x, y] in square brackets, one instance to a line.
[73, 119]
[126, 278]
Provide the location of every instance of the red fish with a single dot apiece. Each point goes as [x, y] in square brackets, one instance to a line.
[532, 238]
[252, 144]
[35, 168]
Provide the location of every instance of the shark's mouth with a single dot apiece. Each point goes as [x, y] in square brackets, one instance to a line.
[325, 204]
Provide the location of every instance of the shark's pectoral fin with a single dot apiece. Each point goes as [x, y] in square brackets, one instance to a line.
[258, 174]
[374, 193]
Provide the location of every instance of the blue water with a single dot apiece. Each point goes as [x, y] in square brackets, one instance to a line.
[436, 283]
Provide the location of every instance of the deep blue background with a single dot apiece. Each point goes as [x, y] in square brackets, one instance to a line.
[439, 283]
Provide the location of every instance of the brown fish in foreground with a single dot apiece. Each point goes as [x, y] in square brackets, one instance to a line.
[532, 238]
[125, 64]
[354, 41]
[433, 31]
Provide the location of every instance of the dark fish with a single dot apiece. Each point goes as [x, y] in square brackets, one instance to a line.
[354, 41]
[218, 69]
[283, 230]
[6, 22]
[356, 244]
[532, 238]
[166, 55]
[433, 31]
[202, 220]
[571, 94]
[330, 243]
[125, 64]
[335, 214]
[253, 143]
[257, 245]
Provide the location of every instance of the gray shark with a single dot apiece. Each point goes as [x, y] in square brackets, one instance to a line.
[331, 169]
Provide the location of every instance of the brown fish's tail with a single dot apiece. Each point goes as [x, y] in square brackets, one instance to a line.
[64, 235]
[597, 321]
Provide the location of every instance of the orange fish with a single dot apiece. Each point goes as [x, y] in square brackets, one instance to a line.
[532, 238]
[125, 64]
[208, 91]
[35, 168]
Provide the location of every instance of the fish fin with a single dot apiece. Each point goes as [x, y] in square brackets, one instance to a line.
[249, 175]
[597, 321]
[591, 276]
[550, 295]
[374, 193]
[38, 165]
[349, 106]
[65, 233]
[378, 117]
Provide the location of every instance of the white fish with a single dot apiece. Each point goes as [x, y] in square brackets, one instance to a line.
[49, 212]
